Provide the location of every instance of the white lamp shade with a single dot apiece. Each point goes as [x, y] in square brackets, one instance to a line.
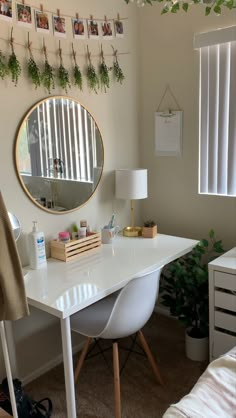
[131, 184]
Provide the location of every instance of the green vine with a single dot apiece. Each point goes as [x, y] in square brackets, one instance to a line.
[78, 80]
[63, 75]
[92, 78]
[3, 66]
[33, 69]
[117, 71]
[14, 66]
[104, 73]
[48, 76]
[174, 6]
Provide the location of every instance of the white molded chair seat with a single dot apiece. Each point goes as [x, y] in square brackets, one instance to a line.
[120, 315]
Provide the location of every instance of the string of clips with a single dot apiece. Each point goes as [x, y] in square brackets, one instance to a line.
[45, 20]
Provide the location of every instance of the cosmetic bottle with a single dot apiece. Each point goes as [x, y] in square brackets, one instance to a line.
[37, 254]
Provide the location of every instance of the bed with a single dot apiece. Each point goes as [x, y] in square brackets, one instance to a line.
[214, 394]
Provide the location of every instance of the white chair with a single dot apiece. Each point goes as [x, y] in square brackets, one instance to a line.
[117, 316]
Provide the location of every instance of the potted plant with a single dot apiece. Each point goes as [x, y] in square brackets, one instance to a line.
[184, 291]
[149, 230]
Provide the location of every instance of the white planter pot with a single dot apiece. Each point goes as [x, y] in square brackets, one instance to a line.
[196, 349]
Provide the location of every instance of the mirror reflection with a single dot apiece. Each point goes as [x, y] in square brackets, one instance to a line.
[59, 154]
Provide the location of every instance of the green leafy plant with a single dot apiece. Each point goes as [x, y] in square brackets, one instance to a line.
[174, 6]
[117, 71]
[3, 66]
[149, 224]
[104, 73]
[48, 75]
[14, 66]
[33, 69]
[92, 78]
[184, 289]
[63, 75]
[78, 79]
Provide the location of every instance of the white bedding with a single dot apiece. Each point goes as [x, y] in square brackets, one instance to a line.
[214, 394]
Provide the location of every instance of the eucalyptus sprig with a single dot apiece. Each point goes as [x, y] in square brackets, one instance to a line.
[63, 75]
[92, 78]
[104, 73]
[78, 80]
[3, 66]
[14, 66]
[33, 69]
[117, 71]
[48, 74]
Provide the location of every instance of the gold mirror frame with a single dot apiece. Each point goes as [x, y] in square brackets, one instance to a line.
[58, 144]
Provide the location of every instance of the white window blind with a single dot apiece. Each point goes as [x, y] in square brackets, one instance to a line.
[217, 112]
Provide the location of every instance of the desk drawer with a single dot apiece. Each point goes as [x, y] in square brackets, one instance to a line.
[225, 301]
[225, 321]
[222, 343]
[225, 280]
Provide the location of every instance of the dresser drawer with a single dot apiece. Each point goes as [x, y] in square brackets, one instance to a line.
[222, 343]
[225, 321]
[225, 301]
[225, 280]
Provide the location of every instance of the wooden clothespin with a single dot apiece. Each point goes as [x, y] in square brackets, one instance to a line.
[58, 13]
[105, 18]
[41, 8]
[91, 17]
[118, 17]
[23, 2]
[77, 16]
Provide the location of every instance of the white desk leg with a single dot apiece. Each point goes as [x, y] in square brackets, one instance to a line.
[68, 367]
[8, 369]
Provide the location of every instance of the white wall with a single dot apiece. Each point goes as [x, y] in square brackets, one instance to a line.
[168, 57]
[116, 115]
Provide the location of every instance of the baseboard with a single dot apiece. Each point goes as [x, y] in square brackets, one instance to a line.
[48, 366]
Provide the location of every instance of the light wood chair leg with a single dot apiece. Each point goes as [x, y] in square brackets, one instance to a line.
[81, 359]
[116, 368]
[150, 357]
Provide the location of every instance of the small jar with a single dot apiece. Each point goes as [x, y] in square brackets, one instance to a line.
[64, 236]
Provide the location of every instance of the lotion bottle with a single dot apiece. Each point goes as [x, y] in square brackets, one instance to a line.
[37, 254]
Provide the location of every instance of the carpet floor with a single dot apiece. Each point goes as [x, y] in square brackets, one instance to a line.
[141, 395]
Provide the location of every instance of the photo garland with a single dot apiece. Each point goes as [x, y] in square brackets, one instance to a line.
[48, 23]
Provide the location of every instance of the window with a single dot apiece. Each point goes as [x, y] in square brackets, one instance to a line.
[217, 112]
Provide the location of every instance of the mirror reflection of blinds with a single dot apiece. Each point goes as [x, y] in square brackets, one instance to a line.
[59, 141]
[217, 119]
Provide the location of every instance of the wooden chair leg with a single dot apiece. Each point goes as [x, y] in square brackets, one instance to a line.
[81, 359]
[116, 368]
[150, 357]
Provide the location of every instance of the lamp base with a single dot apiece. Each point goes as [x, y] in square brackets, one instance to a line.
[132, 231]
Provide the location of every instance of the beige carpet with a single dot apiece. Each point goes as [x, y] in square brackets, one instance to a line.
[141, 396]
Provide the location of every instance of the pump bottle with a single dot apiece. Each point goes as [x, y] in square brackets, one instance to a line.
[37, 254]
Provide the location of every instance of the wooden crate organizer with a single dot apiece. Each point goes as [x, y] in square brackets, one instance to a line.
[75, 248]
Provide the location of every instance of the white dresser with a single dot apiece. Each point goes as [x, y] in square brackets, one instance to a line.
[222, 303]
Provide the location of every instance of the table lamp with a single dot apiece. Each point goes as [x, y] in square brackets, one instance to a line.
[131, 184]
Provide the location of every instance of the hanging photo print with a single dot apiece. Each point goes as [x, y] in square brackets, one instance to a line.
[23, 15]
[59, 26]
[119, 28]
[6, 10]
[107, 28]
[41, 21]
[93, 32]
[78, 26]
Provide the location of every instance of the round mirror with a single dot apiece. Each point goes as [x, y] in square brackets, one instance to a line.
[59, 154]
[15, 224]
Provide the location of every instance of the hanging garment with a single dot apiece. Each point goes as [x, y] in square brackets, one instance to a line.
[13, 303]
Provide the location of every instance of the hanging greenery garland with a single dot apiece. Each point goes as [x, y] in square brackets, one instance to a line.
[48, 76]
[33, 69]
[14, 66]
[117, 71]
[63, 75]
[3, 66]
[92, 78]
[104, 73]
[174, 6]
[78, 80]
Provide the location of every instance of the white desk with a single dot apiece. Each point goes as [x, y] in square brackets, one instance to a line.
[65, 288]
